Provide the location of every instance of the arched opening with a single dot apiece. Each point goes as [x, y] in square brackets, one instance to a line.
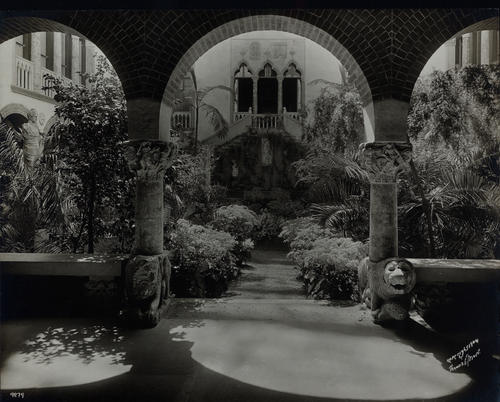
[243, 90]
[15, 121]
[15, 114]
[264, 82]
[266, 23]
[267, 91]
[31, 61]
[453, 126]
[292, 89]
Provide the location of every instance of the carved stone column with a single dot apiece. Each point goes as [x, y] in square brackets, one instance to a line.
[255, 94]
[75, 59]
[36, 59]
[280, 94]
[147, 273]
[384, 161]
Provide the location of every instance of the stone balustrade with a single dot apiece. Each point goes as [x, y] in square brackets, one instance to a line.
[24, 73]
[240, 115]
[25, 77]
[182, 120]
[267, 121]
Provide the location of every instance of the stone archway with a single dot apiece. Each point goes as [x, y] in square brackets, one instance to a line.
[14, 108]
[266, 23]
[384, 161]
[151, 50]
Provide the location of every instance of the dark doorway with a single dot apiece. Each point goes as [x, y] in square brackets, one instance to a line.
[267, 96]
[245, 94]
[290, 94]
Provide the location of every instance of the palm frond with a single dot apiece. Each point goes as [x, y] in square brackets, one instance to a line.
[11, 149]
[321, 81]
[219, 123]
[202, 93]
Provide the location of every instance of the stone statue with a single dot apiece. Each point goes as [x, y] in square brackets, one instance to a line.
[32, 139]
[266, 152]
[385, 287]
[234, 169]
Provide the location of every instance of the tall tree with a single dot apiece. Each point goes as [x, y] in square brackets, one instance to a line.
[85, 144]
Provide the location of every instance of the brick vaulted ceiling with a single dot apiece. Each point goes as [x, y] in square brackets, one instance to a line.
[391, 46]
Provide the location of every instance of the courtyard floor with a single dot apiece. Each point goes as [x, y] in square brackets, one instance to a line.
[263, 341]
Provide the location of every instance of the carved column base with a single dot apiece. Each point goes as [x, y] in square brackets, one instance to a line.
[147, 274]
[147, 279]
[385, 281]
[385, 288]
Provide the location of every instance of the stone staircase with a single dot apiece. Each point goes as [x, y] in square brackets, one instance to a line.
[260, 124]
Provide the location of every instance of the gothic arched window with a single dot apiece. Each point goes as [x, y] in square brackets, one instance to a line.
[267, 91]
[267, 71]
[243, 89]
[292, 89]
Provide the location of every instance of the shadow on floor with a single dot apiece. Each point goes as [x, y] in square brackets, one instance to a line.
[155, 364]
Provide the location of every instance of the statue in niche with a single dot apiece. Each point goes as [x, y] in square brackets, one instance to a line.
[32, 139]
[266, 152]
[234, 168]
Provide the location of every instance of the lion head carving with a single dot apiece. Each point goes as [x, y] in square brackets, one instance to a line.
[399, 277]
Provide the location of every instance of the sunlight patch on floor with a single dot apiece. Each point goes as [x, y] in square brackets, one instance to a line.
[315, 362]
[58, 357]
[66, 370]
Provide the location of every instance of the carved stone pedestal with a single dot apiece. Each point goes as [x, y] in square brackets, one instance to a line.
[384, 161]
[147, 288]
[147, 274]
[386, 287]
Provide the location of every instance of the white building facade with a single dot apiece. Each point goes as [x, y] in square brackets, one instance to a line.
[479, 47]
[24, 63]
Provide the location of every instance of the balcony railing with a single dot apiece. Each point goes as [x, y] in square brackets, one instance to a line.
[181, 120]
[240, 115]
[24, 73]
[267, 121]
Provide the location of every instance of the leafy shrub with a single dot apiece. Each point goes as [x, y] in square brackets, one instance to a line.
[189, 192]
[329, 268]
[240, 222]
[301, 233]
[242, 250]
[327, 263]
[270, 225]
[202, 261]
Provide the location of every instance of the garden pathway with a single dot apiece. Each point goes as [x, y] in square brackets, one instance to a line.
[263, 341]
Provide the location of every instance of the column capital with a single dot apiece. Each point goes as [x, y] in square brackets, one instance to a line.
[149, 159]
[384, 161]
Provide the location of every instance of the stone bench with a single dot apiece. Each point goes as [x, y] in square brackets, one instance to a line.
[61, 283]
[91, 265]
[142, 282]
[455, 270]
